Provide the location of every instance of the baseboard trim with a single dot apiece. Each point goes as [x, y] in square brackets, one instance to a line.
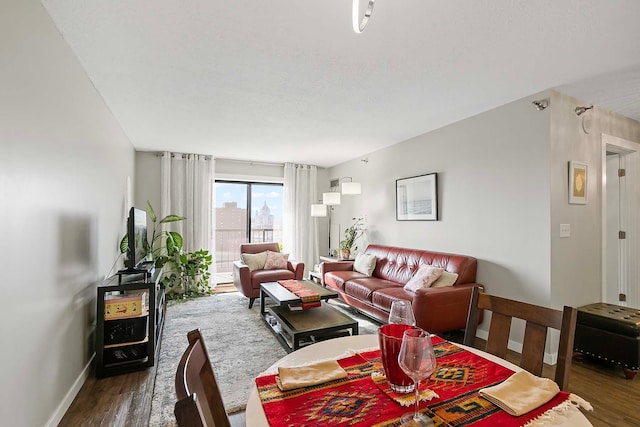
[62, 408]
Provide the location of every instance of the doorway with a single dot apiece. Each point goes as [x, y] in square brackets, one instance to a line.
[620, 196]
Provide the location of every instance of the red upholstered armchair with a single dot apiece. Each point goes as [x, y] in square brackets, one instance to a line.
[248, 282]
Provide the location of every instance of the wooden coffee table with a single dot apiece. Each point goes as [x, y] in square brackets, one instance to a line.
[296, 328]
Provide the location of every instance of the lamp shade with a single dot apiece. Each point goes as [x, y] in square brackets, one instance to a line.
[319, 210]
[330, 198]
[351, 188]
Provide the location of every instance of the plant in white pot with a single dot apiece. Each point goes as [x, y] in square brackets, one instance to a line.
[351, 234]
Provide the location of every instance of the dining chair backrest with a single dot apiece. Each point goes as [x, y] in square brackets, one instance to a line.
[197, 389]
[538, 320]
[189, 413]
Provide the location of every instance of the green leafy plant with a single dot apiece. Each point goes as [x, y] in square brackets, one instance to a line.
[351, 234]
[186, 274]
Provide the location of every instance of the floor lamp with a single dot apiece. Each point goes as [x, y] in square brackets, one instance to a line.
[332, 198]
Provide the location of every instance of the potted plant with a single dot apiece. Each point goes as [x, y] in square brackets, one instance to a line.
[351, 234]
[186, 274]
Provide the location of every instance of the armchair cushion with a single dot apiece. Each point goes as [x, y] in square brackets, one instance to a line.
[276, 260]
[255, 261]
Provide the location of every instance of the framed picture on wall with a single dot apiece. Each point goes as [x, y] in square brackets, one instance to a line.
[577, 183]
[417, 198]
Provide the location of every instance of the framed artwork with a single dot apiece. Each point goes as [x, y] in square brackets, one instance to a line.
[417, 198]
[577, 183]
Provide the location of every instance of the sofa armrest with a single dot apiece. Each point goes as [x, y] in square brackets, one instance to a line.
[241, 274]
[326, 267]
[297, 268]
[443, 309]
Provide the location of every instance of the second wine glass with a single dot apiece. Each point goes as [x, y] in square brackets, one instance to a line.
[418, 361]
[402, 313]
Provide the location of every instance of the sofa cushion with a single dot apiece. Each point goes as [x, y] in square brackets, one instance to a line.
[424, 277]
[255, 261]
[363, 288]
[400, 264]
[337, 279]
[383, 298]
[364, 263]
[276, 260]
[446, 279]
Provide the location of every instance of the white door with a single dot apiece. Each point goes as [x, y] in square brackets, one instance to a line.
[613, 261]
[620, 207]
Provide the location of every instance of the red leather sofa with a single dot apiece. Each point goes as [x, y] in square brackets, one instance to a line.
[436, 309]
[248, 282]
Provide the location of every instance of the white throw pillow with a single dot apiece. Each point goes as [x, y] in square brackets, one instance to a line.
[255, 261]
[276, 261]
[364, 263]
[446, 279]
[424, 277]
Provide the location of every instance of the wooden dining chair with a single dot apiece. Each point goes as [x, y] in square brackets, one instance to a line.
[199, 400]
[538, 320]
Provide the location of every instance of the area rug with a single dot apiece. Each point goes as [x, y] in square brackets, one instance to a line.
[240, 347]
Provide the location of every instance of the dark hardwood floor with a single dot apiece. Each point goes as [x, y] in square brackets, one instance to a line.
[125, 400]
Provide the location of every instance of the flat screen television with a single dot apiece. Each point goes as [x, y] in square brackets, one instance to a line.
[137, 239]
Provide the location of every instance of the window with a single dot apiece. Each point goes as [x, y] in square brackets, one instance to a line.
[233, 225]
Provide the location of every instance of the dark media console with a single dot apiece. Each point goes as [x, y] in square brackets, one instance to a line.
[147, 268]
[130, 316]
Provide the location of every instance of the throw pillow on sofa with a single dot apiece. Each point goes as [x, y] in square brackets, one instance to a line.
[364, 263]
[276, 261]
[424, 277]
[255, 261]
[447, 279]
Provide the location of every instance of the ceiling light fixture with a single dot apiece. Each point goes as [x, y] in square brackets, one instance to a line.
[581, 110]
[358, 26]
[541, 105]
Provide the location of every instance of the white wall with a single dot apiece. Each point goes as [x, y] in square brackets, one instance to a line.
[576, 262]
[503, 193]
[493, 187]
[64, 163]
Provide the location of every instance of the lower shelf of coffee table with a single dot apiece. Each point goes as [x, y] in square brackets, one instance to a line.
[295, 329]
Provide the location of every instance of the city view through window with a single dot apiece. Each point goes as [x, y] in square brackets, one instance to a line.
[233, 201]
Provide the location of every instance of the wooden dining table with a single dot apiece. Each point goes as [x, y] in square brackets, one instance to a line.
[342, 347]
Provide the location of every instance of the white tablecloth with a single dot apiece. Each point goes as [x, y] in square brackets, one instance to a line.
[340, 347]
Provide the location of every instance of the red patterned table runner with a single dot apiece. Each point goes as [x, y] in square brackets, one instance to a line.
[357, 402]
[308, 297]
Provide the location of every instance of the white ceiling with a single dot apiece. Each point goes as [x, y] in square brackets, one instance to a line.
[289, 80]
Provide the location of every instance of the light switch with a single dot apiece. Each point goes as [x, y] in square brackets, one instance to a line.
[565, 230]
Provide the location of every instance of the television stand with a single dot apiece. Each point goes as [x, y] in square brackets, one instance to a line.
[129, 340]
[146, 268]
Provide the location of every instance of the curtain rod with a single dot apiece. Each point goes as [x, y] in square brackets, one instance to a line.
[161, 153]
[251, 162]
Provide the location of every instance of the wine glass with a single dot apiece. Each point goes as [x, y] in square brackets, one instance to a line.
[402, 313]
[418, 361]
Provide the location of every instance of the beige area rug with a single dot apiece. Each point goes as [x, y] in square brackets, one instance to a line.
[239, 344]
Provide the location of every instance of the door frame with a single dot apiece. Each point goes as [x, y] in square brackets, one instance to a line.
[629, 215]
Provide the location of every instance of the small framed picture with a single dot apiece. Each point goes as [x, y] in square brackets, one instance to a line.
[417, 198]
[577, 183]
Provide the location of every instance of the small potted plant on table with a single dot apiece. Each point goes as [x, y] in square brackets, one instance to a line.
[351, 234]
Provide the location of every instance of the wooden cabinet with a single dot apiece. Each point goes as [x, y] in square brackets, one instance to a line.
[130, 315]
